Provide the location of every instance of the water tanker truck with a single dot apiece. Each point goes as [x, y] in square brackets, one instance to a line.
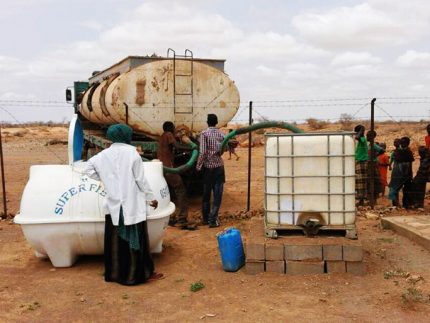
[146, 91]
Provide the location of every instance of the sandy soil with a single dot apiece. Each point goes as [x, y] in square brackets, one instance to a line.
[32, 290]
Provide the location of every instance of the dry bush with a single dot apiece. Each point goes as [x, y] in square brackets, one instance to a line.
[20, 133]
[36, 124]
[56, 142]
[315, 124]
[345, 121]
[408, 133]
[366, 124]
[414, 295]
[419, 128]
[391, 129]
[260, 131]
[44, 129]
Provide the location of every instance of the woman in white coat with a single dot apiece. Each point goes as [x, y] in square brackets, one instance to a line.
[127, 257]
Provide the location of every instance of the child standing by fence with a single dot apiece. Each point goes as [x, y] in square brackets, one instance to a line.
[414, 191]
[402, 170]
[383, 163]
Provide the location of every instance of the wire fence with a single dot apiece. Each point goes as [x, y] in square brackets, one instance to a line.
[27, 146]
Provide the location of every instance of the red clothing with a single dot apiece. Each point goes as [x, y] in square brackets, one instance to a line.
[165, 148]
[427, 140]
[383, 163]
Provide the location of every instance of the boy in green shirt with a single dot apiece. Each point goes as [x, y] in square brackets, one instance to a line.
[377, 187]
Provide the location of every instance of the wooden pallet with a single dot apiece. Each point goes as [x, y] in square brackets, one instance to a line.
[273, 231]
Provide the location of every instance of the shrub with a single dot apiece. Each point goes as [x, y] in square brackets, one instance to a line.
[414, 295]
[196, 286]
[20, 133]
[315, 124]
[345, 121]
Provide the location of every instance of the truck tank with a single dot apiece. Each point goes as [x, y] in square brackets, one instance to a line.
[144, 92]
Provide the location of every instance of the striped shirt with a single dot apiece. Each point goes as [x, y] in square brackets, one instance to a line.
[210, 146]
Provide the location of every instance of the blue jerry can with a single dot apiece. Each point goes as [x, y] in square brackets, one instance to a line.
[231, 249]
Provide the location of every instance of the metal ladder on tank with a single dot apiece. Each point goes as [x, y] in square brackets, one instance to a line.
[182, 82]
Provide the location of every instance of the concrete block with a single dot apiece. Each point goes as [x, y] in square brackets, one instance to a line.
[355, 268]
[414, 228]
[332, 252]
[276, 266]
[334, 266]
[352, 253]
[274, 251]
[303, 252]
[255, 250]
[305, 267]
[254, 267]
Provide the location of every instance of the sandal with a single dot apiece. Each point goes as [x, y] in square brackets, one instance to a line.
[190, 227]
[156, 276]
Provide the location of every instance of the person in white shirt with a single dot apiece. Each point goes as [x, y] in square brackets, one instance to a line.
[127, 257]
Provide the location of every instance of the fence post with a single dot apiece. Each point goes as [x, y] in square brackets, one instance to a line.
[248, 202]
[372, 152]
[3, 180]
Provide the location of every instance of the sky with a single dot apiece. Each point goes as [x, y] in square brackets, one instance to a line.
[293, 59]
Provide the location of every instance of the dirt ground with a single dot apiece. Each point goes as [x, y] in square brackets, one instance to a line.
[32, 290]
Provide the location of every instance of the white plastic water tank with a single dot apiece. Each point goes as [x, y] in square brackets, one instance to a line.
[311, 173]
[62, 214]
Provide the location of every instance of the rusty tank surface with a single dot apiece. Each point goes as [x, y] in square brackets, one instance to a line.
[144, 92]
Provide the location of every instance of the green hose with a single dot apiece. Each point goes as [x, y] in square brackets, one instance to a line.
[261, 125]
[190, 163]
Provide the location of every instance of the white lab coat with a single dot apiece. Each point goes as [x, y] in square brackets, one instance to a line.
[120, 168]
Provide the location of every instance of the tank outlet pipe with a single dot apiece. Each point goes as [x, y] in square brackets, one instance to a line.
[256, 126]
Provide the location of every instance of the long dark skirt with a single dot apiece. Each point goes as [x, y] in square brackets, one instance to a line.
[361, 180]
[123, 264]
[401, 174]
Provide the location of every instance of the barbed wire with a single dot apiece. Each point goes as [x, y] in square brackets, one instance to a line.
[150, 106]
[254, 101]
[257, 109]
[344, 99]
[337, 119]
[47, 147]
[33, 101]
[261, 116]
[400, 99]
[383, 110]
[359, 109]
[150, 124]
[239, 113]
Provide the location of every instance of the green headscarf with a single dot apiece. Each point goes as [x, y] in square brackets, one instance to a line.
[119, 133]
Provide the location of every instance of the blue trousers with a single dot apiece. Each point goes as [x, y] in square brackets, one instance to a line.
[213, 182]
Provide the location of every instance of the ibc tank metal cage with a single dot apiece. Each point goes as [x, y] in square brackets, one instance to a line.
[309, 176]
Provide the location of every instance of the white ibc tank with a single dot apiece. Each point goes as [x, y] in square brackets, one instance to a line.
[309, 173]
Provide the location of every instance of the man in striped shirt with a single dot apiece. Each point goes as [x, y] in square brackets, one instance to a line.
[212, 165]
